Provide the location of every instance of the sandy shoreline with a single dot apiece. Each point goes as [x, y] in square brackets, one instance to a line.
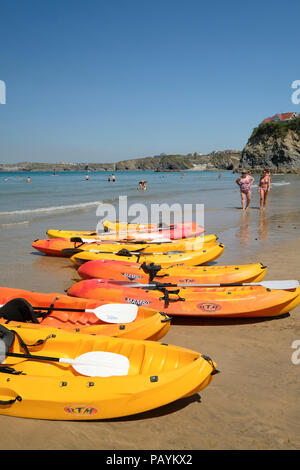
[252, 404]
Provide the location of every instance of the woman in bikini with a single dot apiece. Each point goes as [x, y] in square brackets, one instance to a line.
[245, 182]
[264, 188]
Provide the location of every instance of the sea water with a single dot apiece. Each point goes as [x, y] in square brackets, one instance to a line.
[69, 201]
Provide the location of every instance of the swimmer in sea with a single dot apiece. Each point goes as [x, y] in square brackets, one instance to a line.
[245, 182]
[264, 188]
[142, 185]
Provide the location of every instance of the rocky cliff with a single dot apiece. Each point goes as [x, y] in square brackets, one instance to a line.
[222, 160]
[274, 145]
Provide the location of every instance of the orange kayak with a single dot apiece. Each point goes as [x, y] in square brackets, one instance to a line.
[144, 273]
[68, 247]
[149, 324]
[233, 301]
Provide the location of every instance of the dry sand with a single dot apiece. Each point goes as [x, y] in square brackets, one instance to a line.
[252, 404]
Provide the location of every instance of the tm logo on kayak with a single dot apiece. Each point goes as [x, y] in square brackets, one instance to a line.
[138, 302]
[80, 410]
[209, 307]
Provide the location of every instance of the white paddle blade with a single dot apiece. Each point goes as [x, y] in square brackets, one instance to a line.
[90, 240]
[100, 364]
[284, 285]
[116, 313]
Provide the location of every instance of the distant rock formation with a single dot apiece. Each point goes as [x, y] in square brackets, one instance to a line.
[221, 160]
[218, 160]
[273, 145]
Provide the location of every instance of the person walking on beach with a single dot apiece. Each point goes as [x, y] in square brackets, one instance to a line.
[245, 182]
[264, 188]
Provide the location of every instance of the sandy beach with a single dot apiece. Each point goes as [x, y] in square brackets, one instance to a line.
[252, 404]
[151, 113]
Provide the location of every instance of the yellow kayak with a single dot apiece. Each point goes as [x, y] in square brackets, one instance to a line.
[86, 377]
[125, 237]
[184, 258]
[122, 231]
[68, 247]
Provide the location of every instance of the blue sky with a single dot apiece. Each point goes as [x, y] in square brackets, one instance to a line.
[109, 80]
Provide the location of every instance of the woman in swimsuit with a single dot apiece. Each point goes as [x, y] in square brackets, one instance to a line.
[245, 182]
[264, 188]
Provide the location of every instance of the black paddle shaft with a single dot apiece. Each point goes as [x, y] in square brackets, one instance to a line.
[38, 358]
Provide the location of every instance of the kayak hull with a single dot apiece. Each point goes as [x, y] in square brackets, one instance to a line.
[66, 248]
[211, 302]
[188, 258]
[158, 374]
[131, 233]
[130, 272]
[176, 230]
[149, 323]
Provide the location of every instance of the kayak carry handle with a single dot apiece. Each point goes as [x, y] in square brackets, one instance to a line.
[11, 401]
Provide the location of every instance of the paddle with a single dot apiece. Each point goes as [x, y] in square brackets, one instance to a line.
[122, 252]
[92, 364]
[137, 242]
[125, 252]
[281, 285]
[108, 313]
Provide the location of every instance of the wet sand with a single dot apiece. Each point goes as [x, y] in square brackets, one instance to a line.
[252, 404]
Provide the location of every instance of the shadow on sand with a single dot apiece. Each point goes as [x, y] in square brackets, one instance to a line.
[161, 411]
[201, 321]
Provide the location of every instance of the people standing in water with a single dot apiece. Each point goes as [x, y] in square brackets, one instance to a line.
[28, 179]
[142, 185]
[245, 182]
[113, 178]
[264, 188]
[108, 178]
[87, 177]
